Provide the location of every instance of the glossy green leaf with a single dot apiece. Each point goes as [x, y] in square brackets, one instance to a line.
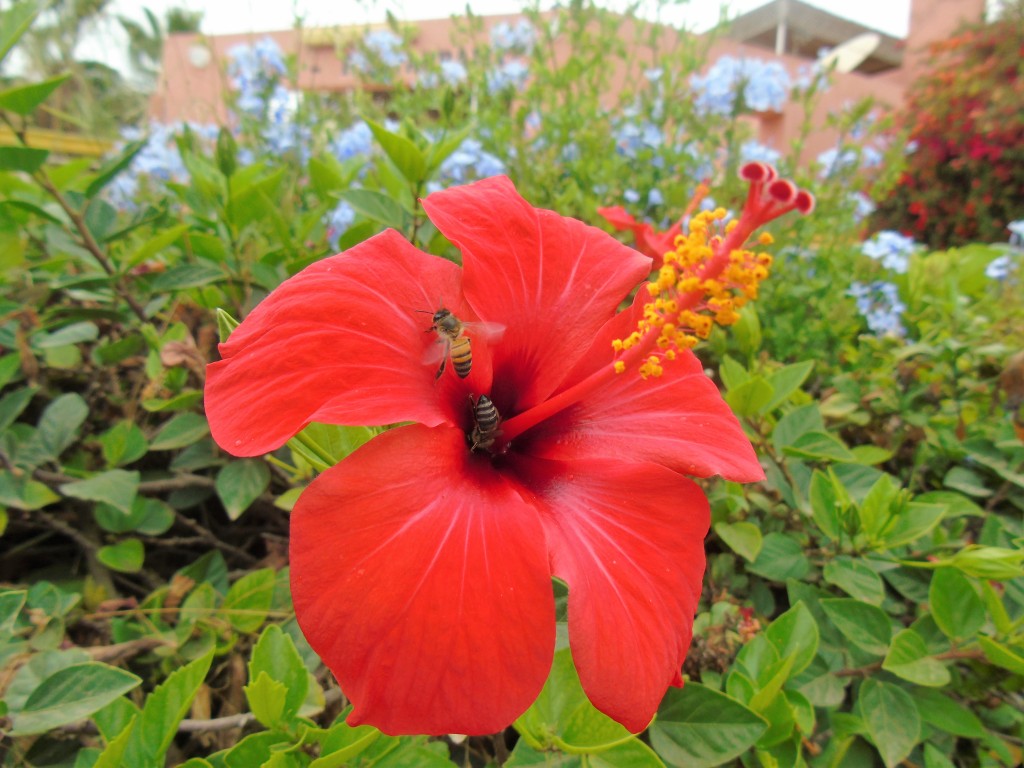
[794, 634]
[697, 727]
[940, 711]
[908, 658]
[156, 727]
[266, 699]
[955, 604]
[891, 718]
[14, 22]
[58, 426]
[342, 742]
[240, 483]
[71, 694]
[786, 381]
[113, 753]
[24, 99]
[914, 521]
[379, 207]
[750, 397]
[275, 655]
[406, 156]
[781, 557]
[11, 603]
[187, 276]
[247, 602]
[742, 538]
[866, 626]
[21, 492]
[126, 556]
[25, 159]
[12, 404]
[116, 487]
[122, 444]
[115, 165]
[819, 446]
[855, 579]
[630, 754]
[182, 430]
[1002, 656]
[563, 717]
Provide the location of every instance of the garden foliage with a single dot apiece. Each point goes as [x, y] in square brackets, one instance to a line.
[964, 179]
[864, 605]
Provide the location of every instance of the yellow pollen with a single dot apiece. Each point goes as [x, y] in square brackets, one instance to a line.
[619, 366]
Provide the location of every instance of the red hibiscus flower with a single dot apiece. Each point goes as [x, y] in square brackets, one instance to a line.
[421, 565]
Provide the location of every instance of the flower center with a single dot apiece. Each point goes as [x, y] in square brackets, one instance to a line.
[705, 280]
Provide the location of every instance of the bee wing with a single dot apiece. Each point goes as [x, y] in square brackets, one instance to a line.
[489, 332]
[435, 352]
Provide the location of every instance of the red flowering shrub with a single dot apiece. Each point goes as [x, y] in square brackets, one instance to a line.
[964, 180]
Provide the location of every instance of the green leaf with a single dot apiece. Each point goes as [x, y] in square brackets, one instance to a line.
[187, 276]
[165, 707]
[866, 626]
[406, 156]
[343, 742]
[914, 521]
[794, 634]
[21, 492]
[967, 481]
[698, 727]
[829, 503]
[240, 483]
[123, 443]
[12, 405]
[908, 658]
[819, 446]
[781, 557]
[126, 556]
[891, 718]
[159, 242]
[247, 602]
[11, 603]
[876, 509]
[182, 430]
[112, 754]
[23, 99]
[71, 694]
[796, 424]
[630, 754]
[742, 538]
[955, 604]
[14, 23]
[25, 159]
[150, 517]
[76, 333]
[1001, 656]
[855, 579]
[378, 206]
[996, 563]
[563, 717]
[940, 711]
[275, 656]
[266, 699]
[750, 397]
[786, 381]
[116, 487]
[732, 372]
[59, 424]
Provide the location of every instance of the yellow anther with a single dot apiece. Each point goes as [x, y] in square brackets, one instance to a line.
[617, 345]
[619, 366]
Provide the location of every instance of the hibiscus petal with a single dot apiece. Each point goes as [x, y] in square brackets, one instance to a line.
[341, 342]
[421, 578]
[628, 539]
[678, 420]
[551, 280]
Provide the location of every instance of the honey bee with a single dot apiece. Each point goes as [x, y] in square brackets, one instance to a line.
[485, 424]
[451, 334]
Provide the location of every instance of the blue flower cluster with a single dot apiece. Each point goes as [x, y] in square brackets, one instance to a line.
[256, 71]
[756, 152]
[467, 163]
[879, 303]
[835, 160]
[891, 248]
[338, 222]
[510, 74]
[384, 46]
[354, 141]
[732, 83]
[1009, 263]
[631, 138]
[159, 159]
[862, 206]
[513, 37]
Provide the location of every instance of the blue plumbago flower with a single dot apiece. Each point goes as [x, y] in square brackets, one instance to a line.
[631, 196]
[654, 197]
[879, 303]
[654, 74]
[513, 37]
[834, 160]
[1000, 268]
[469, 163]
[511, 74]
[281, 132]
[255, 71]
[338, 221]
[631, 138]
[891, 248]
[355, 140]
[863, 206]
[755, 151]
[453, 71]
[763, 85]
[1016, 233]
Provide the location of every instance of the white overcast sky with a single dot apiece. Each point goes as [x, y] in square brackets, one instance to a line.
[226, 16]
